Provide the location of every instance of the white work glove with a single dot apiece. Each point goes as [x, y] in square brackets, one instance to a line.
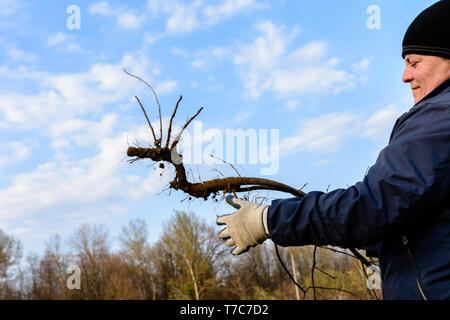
[246, 228]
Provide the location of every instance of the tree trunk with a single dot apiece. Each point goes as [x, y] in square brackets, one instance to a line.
[193, 278]
[294, 273]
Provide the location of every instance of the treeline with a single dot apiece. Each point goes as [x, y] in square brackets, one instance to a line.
[189, 261]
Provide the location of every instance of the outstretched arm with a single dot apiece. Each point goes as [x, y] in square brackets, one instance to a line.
[409, 180]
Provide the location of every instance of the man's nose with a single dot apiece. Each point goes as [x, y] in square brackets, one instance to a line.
[407, 74]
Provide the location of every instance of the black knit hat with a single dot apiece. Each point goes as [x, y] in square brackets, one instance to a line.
[429, 33]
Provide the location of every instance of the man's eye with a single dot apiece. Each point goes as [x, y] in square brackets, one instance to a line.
[413, 64]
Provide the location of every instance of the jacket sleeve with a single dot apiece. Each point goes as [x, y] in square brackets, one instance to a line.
[409, 180]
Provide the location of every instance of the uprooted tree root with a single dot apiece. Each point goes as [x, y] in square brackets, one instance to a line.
[226, 185]
[211, 187]
[167, 153]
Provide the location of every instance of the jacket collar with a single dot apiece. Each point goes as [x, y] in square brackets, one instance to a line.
[444, 85]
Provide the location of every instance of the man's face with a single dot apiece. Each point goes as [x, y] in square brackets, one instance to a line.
[425, 73]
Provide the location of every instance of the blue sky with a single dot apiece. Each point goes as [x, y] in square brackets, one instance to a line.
[314, 70]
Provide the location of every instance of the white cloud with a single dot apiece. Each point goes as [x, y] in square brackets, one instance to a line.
[243, 115]
[292, 104]
[203, 58]
[198, 63]
[73, 47]
[320, 79]
[22, 111]
[228, 8]
[18, 55]
[166, 86]
[125, 19]
[322, 162]
[21, 231]
[70, 95]
[361, 65]
[82, 132]
[128, 20]
[259, 58]
[101, 8]
[64, 42]
[380, 124]
[60, 143]
[22, 73]
[150, 38]
[13, 152]
[267, 49]
[184, 16]
[324, 134]
[61, 187]
[9, 7]
[327, 133]
[267, 65]
[58, 38]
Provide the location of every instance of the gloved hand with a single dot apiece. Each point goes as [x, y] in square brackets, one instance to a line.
[246, 228]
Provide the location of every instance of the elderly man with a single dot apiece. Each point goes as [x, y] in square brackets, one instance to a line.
[402, 206]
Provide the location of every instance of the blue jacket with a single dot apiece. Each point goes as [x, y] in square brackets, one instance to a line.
[402, 206]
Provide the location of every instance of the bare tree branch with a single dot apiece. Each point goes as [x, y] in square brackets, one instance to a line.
[157, 101]
[175, 142]
[149, 123]
[171, 119]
